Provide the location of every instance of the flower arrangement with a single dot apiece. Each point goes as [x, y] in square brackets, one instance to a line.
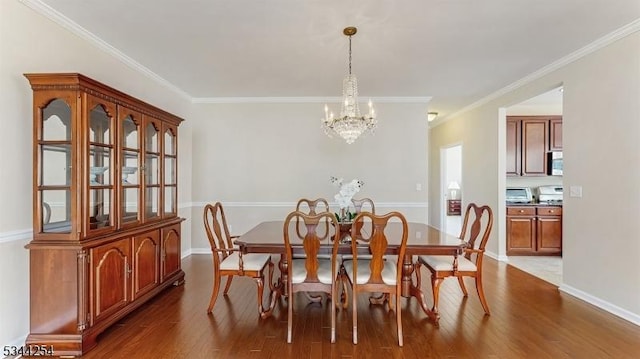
[344, 196]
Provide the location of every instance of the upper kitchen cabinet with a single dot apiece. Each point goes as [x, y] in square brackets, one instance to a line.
[529, 138]
[555, 134]
[104, 209]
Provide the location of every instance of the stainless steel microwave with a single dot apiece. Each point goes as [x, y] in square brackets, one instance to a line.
[554, 163]
[519, 195]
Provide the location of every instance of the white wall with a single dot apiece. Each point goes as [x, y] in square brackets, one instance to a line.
[259, 159]
[601, 137]
[30, 42]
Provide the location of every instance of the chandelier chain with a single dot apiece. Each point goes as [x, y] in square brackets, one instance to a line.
[349, 54]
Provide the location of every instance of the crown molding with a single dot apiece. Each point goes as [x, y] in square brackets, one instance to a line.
[308, 99]
[83, 33]
[606, 40]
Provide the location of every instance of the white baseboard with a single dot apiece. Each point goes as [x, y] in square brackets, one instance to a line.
[18, 342]
[201, 250]
[602, 304]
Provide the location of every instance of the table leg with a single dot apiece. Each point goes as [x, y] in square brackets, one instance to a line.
[279, 289]
[409, 289]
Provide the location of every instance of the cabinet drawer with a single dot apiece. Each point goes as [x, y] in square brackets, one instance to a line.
[549, 211]
[521, 211]
[454, 207]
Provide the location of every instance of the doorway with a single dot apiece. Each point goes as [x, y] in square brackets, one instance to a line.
[548, 104]
[451, 189]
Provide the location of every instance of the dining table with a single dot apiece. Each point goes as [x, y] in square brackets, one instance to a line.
[422, 239]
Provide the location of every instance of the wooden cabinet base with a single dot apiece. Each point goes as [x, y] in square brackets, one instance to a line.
[79, 289]
[534, 231]
[79, 344]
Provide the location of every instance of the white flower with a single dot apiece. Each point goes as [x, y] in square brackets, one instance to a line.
[347, 191]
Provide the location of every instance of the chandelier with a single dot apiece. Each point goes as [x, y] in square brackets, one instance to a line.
[351, 124]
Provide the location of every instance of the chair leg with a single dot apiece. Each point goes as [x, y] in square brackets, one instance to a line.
[435, 286]
[290, 317]
[354, 309]
[334, 295]
[483, 300]
[260, 283]
[344, 298]
[461, 282]
[214, 295]
[399, 320]
[228, 285]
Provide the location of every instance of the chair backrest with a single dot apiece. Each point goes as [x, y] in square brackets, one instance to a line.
[312, 206]
[310, 238]
[363, 203]
[377, 242]
[215, 224]
[478, 221]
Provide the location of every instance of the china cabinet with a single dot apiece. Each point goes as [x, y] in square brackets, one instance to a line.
[106, 232]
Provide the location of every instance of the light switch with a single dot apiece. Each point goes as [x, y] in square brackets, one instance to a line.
[575, 191]
[418, 186]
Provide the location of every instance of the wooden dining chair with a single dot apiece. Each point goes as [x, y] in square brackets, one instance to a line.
[363, 203]
[478, 220]
[312, 207]
[360, 205]
[312, 273]
[229, 261]
[376, 274]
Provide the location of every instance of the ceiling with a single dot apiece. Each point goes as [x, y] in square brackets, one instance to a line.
[455, 52]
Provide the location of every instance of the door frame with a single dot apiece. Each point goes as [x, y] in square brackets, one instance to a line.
[445, 175]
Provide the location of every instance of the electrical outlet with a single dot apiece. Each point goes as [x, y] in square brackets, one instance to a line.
[418, 186]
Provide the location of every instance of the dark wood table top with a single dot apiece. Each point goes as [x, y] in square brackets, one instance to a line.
[268, 237]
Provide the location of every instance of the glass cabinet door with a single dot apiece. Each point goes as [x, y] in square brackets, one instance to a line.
[130, 193]
[151, 169]
[54, 168]
[170, 172]
[100, 164]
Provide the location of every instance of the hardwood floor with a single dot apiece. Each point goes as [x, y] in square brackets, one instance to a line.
[530, 319]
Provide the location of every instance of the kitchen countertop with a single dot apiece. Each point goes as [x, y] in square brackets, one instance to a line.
[513, 204]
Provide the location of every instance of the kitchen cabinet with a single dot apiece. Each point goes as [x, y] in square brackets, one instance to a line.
[534, 230]
[514, 148]
[555, 137]
[549, 230]
[106, 232]
[529, 138]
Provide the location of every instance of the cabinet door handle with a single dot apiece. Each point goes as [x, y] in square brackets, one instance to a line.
[521, 211]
